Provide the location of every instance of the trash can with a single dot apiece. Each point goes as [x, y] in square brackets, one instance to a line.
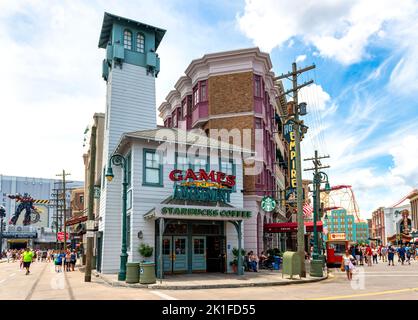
[291, 264]
[276, 264]
[132, 272]
[147, 273]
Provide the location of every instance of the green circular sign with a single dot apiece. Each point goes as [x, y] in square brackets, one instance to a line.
[268, 204]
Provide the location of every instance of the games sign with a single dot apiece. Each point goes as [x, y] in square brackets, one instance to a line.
[214, 186]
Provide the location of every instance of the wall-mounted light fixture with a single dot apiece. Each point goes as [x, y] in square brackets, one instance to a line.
[140, 235]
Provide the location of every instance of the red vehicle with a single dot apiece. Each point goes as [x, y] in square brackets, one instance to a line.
[335, 251]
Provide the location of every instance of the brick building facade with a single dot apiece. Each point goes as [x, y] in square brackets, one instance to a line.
[236, 91]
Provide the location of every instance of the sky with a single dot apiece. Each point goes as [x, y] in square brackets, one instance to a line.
[363, 110]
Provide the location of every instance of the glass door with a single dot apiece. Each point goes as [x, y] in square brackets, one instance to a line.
[199, 254]
[167, 255]
[179, 254]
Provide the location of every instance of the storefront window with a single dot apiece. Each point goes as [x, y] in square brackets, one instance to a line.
[199, 246]
[175, 228]
[206, 229]
[180, 245]
[166, 246]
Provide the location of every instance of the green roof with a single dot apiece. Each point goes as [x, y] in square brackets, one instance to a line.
[108, 21]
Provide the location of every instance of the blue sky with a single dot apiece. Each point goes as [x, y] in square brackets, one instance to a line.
[363, 109]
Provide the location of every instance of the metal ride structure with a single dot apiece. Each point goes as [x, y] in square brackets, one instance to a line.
[32, 213]
[341, 197]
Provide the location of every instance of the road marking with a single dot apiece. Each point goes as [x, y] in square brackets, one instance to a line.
[1, 281]
[12, 275]
[163, 295]
[379, 293]
[70, 290]
[32, 290]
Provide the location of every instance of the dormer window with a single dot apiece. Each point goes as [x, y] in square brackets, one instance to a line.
[127, 39]
[140, 43]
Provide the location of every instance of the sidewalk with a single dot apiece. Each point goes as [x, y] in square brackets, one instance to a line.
[215, 280]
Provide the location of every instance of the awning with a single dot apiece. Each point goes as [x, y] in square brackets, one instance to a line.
[290, 227]
[76, 220]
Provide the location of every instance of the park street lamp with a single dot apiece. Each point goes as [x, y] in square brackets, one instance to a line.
[317, 259]
[119, 160]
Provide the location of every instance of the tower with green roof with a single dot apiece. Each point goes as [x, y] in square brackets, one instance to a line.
[130, 66]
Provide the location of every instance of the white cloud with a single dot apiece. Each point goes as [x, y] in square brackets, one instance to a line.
[301, 58]
[315, 96]
[51, 73]
[339, 29]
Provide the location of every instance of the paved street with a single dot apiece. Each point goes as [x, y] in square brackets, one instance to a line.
[376, 282]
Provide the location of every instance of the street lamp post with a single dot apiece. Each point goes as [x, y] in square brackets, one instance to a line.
[319, 178]
[119, 160]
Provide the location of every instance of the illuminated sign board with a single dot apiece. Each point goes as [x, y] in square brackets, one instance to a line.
[209, 213]
[337, 236]
[214, 186]
[289, 135]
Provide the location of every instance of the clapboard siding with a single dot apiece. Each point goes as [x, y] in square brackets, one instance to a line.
[130, 107]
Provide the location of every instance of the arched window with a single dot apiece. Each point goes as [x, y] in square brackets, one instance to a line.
[140, 43]
[127, 39]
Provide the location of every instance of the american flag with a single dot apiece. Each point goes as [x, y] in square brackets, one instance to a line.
[307, 210]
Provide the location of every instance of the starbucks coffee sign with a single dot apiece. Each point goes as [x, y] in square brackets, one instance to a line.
[268, 204]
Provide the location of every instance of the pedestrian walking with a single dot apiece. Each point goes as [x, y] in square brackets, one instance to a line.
[391, 255]
[384, 251]
[374, 252]
[68, 261]
[9, 255]
[27, 258]
[369, 254]
[348, 265]
[58, 260]
[73, 260]
[402, 254]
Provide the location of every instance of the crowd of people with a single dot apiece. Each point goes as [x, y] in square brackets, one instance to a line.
[360, 255]
[253, 262]
[62, 259]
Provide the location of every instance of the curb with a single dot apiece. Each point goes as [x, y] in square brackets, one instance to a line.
[213, 286]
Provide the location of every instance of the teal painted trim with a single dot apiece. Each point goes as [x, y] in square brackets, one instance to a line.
[190, 247]
[145, 59]
[160, 174]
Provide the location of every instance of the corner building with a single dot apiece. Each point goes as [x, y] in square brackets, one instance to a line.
[193, 230]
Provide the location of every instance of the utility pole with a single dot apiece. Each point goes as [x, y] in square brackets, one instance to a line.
[316, 266]
[296, 129]
[90, 221]
[64, 205]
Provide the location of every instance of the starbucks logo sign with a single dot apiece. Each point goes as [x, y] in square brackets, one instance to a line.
[268, 204]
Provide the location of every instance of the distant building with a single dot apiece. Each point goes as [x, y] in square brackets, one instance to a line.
[361, 232]
[413, 198]
[341, 222]
[41, 233]
[378, 226]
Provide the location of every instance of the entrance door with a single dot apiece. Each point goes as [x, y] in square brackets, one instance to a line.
[214, 256]
[199, 254]
[167, 255]
[99, 251]
[180, 254]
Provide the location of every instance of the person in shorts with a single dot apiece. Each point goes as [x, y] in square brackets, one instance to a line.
[73, 260]
[27, 257]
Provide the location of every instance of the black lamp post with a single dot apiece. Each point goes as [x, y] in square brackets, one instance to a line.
[119, 160]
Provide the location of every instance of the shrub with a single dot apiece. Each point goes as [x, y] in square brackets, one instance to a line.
[145, 250]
